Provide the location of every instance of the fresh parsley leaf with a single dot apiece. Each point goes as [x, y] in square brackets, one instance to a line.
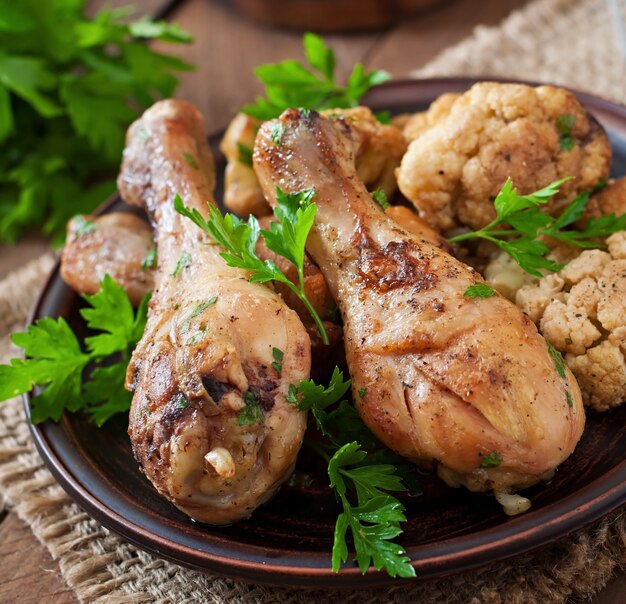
[55, 360]
[292, 84]
[191, 162]
[150, 261]
[296, 214]
[252, 413]
[69, 88]
[245, 154]
[520, 226]
[56, 363]
[491, 460]
[479, 290]
[380, 197]
[384, 117]
[183, 262]
[277, 355]
[375, 520]
[105, 393]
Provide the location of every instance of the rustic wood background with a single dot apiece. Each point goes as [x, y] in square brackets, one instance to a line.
[227, 47]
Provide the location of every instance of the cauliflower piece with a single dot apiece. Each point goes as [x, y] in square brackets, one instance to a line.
[418, 123]
[609, 200]
[381, 149]
[453, 170]
[581, 311]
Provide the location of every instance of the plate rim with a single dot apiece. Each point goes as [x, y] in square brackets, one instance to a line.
[504, 541]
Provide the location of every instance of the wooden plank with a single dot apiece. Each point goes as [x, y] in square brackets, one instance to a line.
[28, 575]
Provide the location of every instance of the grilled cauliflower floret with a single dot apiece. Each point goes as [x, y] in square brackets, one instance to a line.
[454, 169]
[380, 151]
[581, 311]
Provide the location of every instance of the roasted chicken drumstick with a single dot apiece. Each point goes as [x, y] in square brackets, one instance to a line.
[437, 375]
[209, 423]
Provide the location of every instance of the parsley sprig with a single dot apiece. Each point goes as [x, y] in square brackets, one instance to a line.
[374, 519]
[56, 362]
[520, 226]
[295, 212]
[69, 87]
[292, 84]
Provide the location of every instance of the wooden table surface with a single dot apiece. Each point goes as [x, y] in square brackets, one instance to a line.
[226, 49]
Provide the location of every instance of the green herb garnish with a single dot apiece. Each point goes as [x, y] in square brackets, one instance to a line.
[191, 162]
[252, 413]
[292, 84]
[69, 88]
[150, 261]
[183, 262]
[380, 197]
[245, 154]
[56, 362]
[362, 392]
[479, 290]
[278, 355]
[287, 237]
[521, 223]
[491, 460]
[557, 359]
[277, 130]
[565, 123]
[375, 519]
[83, 226]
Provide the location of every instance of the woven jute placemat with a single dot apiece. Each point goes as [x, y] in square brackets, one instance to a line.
[564, 41]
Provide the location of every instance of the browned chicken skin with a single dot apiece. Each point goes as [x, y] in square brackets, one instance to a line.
[447, 378]
[204, 364]
[114, 244]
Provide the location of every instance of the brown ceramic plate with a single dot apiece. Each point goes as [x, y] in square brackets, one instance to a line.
[288, 541]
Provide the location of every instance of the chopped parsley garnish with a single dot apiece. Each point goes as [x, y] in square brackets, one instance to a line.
[198, 309]
[196, 338]
[557, 359]
[479, 290]
[277, 130]
[491, 460]
[83, 226]
[286, 237]
[277, 355]
[380, 197]
[313, 86]
[56, 362]
[362, 392]
[182, 403]
[150, 260]
[568, 399]
[564, 124]
[183, 262]
[252, 413]
[245, 154]
[520, 226]
[191, 161]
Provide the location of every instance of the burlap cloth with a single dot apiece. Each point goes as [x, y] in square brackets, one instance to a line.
[564, 41]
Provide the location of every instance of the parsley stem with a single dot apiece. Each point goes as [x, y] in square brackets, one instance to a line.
[299, 291]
